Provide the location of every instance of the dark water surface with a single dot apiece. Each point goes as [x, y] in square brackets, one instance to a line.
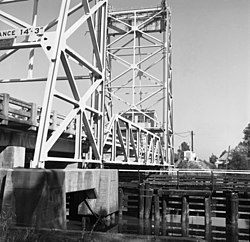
[218, 231]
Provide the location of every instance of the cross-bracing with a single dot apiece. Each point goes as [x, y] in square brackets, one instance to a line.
[109, 72]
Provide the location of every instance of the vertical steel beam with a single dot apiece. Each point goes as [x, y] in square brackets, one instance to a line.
[39, 156]
[170, 93]
[32, 51]
[94, 129]
[165, 89]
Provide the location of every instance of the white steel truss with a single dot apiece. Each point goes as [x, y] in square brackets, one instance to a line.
[128, 143]
[86, 108]
[140, 70]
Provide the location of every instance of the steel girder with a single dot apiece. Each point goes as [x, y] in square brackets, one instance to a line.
[86, 106]
[140, 70]
[127, 143]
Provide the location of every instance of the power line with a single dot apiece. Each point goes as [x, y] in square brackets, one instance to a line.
[189, 133]
[182, 132]
[182, 136]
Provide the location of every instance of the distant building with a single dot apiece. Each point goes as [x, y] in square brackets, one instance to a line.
[190, 155]
[223, 160]
[144, 118]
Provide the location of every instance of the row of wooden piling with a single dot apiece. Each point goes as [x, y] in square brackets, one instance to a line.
[153, 205]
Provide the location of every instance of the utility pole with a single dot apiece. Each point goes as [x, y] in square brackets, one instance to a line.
[227, 156]
[192, 140]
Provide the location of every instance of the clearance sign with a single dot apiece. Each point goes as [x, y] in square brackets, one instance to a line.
[12, 33]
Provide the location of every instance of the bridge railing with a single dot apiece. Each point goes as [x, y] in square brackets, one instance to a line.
[17, 112]
[14, 110]
[128, 143]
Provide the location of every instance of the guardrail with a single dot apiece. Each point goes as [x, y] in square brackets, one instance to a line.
[12, 109]
[15, 111]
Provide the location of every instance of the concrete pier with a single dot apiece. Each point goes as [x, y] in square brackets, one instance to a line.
[12, 156]
[37, 197]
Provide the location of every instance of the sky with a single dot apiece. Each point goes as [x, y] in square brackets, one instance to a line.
[211, 59]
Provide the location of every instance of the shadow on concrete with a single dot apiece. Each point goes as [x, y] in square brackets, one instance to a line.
[35, 198]
[2, 186]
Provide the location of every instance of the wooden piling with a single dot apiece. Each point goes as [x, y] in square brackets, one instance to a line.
[164, 208]
[164, 212]
[148, 226]
[232, 204]
[167, 198]
[164, 227]
[120, 224]
[157, 207]
[184, 215]
[120, 201]
[148, 200]
[141, 201]
[208, 218]
[157, 227]
[141, 226]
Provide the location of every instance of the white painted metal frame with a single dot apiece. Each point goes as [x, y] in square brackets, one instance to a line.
[55, 46]
[124, 141]
[126, 30]
[168, 118]
[79, 112]
[127, 143]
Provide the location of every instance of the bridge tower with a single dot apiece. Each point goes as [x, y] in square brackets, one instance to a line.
[68, 51]
[93, 63]
[139, 68]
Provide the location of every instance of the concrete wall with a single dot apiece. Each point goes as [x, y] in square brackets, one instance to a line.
[37, 197]
[12, 156]
[34, 197]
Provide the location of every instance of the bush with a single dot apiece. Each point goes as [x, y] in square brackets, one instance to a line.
[238, 161]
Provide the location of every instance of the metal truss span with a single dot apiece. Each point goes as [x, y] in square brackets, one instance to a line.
[109, 73]
[139, 85]
[127, 143]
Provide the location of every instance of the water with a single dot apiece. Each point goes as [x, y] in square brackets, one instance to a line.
[171, 226]
[218, 231]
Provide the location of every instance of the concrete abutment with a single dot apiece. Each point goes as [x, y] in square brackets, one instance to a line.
[37, 197]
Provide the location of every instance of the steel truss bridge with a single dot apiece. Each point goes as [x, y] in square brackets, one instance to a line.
[106, 72]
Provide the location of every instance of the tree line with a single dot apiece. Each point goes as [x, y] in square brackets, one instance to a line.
[239, 157]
